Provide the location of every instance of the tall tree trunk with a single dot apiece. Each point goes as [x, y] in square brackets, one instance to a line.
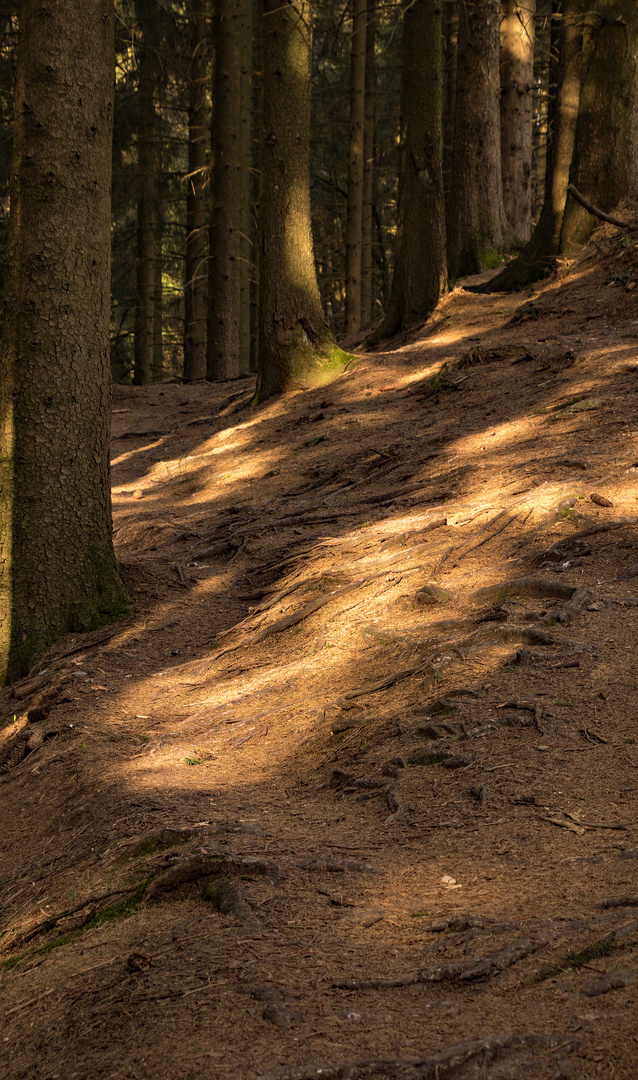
[225, 221]
[246, 227]
[158, 314]
[296, 347]
[354, 217]
[605, 162]
[146, 169]
[57, 568]
[195, 287]
[420, 275]
[368, 168]
[517, 98]
[540, 253]
[477, 217]
[451, 15]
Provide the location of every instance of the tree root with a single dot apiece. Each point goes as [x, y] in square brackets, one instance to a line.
[482, 967]
[338, 866]
[227, 897]
[458, 971]
[524, 1056]
[200, 866]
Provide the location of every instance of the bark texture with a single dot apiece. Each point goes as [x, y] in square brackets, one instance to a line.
[57, 567]
[540, 253]
[354, 218]
[226, 209]
[195, 288]
[420, 275]
[246, 274]
[146, 208]
[605, 162]
[517, 89]
[296, 347]
[476, 215]
[368, 168]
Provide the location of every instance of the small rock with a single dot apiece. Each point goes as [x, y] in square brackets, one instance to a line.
[139, 494]
[630, 286]
[456, 762]
[629, 853]
[429, 731]
[389, 769]
[433, 594]
[612, 980]
[283, 1016]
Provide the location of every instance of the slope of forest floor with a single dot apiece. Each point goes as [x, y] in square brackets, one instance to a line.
[358, 781]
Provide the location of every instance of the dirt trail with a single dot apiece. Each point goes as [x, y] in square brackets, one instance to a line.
[356, 786]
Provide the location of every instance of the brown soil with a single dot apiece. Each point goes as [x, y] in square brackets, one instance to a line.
[280, 560]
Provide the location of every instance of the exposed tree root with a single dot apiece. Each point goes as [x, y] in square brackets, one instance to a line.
[338, 866]
[200, 866]
[517, 1057]
[227, 897]
[482, 967]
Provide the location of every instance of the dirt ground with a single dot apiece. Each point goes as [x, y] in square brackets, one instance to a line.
[358, 781]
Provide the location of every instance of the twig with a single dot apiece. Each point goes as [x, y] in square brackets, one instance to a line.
[31, 1001]
[180, 573]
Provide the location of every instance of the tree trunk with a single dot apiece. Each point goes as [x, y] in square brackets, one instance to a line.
[420, 275]
[57, 568]
[225, 223]
[517, 98]
[296, 347]
[540, 253]
[354, 217]
[146, 168]
[451, 16]
[368, 169]
[195, 290]
[605, 163]
[158, 314]
[477, 226]
[246, 229]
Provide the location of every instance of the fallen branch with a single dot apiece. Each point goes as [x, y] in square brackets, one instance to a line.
[594, 211]
[482, 967]
[524, 1055]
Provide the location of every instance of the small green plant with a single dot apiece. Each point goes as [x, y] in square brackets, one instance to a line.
[563, 703]
[315, 442]
[419, 914]
[620, 278]
[575, 959]
[192, 761]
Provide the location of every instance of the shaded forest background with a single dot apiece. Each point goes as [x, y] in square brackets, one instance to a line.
[168, 87]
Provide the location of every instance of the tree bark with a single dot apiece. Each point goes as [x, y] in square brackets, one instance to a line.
[246, 230]
[354, 215]
[196, 275]
[296, 347]
[451, 17]
[605, 163]
[146, 169]
[517, 89]
[540, 253]
[420, 275]
[477, 224]
[368, 168]
[57, 568]
[225, 223]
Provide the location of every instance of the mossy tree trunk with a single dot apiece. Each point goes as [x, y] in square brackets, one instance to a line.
[196, 274]
[517, 89]
[224, 279]
[605, 163]
[540, 252]
[57, 568]
[354, 215]
[420, 274]
[476, 220]
[296, 347]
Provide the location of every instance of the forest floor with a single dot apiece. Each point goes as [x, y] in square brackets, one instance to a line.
[358, 781]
